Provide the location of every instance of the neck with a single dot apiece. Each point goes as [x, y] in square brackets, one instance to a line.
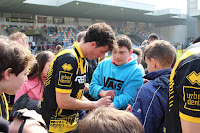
[83, 46]
[2, 86]
[162, 68]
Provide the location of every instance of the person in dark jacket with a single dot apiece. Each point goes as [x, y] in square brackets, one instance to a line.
[150, 102]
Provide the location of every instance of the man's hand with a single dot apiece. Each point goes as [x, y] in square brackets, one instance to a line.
[112, 105]
[107, 93]
[103, 101]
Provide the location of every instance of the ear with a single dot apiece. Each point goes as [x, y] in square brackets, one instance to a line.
[93, 44]
[7, 73]
[130, 53]
[153, 63]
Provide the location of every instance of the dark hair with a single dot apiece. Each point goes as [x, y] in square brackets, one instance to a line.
[42, 58]
[58, 49]
[153, 37]
[80, 35]
[137, 51]
[124, 40]
[13, 55]
[110, 120]
[162, 51]
[102, 34]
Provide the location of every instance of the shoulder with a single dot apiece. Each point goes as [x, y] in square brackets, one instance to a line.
[147, 89]
[66, 57]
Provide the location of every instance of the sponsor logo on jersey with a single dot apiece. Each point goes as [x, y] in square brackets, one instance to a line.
[67, 67]
[194, 78]
[64, 78]
[80, 79]
[191, 97]
[113, 83]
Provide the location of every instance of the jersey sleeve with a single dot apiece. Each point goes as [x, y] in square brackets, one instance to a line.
[65, 72]
[187, 87]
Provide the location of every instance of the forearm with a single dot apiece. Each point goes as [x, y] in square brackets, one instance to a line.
[121, 101]
[65, 101]
[190, 127]
[84, 99]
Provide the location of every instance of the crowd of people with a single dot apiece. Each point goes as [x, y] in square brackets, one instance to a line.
[77, 90]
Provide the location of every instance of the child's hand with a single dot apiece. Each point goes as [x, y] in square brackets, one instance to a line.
[129, 108]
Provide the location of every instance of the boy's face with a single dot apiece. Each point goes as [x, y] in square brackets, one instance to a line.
[97, 52]
[17, 81]
[149, 65]
[121, 55]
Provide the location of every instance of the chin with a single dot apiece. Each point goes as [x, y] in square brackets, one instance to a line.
[90, 58]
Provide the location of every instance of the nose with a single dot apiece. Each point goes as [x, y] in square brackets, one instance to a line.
[118, 56]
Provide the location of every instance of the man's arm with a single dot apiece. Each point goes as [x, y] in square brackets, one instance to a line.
[84, 98]
[189, 127]
[65, 101]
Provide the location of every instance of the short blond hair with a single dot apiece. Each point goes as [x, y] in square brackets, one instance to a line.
[110, 120]
[18, 35]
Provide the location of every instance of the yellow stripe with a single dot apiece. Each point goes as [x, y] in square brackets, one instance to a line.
[78, 49]
[4, 101]
[1, 112]
[99, 60]
[189, 118]
[63, 90]
[7, 108]
[60, 111]
[170, 93]
[171, 101]
[171, 97]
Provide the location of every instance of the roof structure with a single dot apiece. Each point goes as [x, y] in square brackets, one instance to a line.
[118, 10]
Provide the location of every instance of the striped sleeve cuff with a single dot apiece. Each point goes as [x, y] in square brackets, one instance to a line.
[63, 90]
[189, 118]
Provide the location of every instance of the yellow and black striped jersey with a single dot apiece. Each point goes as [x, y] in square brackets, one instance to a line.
[4, 107]
[10, 100]
[67, 74]
[184, 91]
